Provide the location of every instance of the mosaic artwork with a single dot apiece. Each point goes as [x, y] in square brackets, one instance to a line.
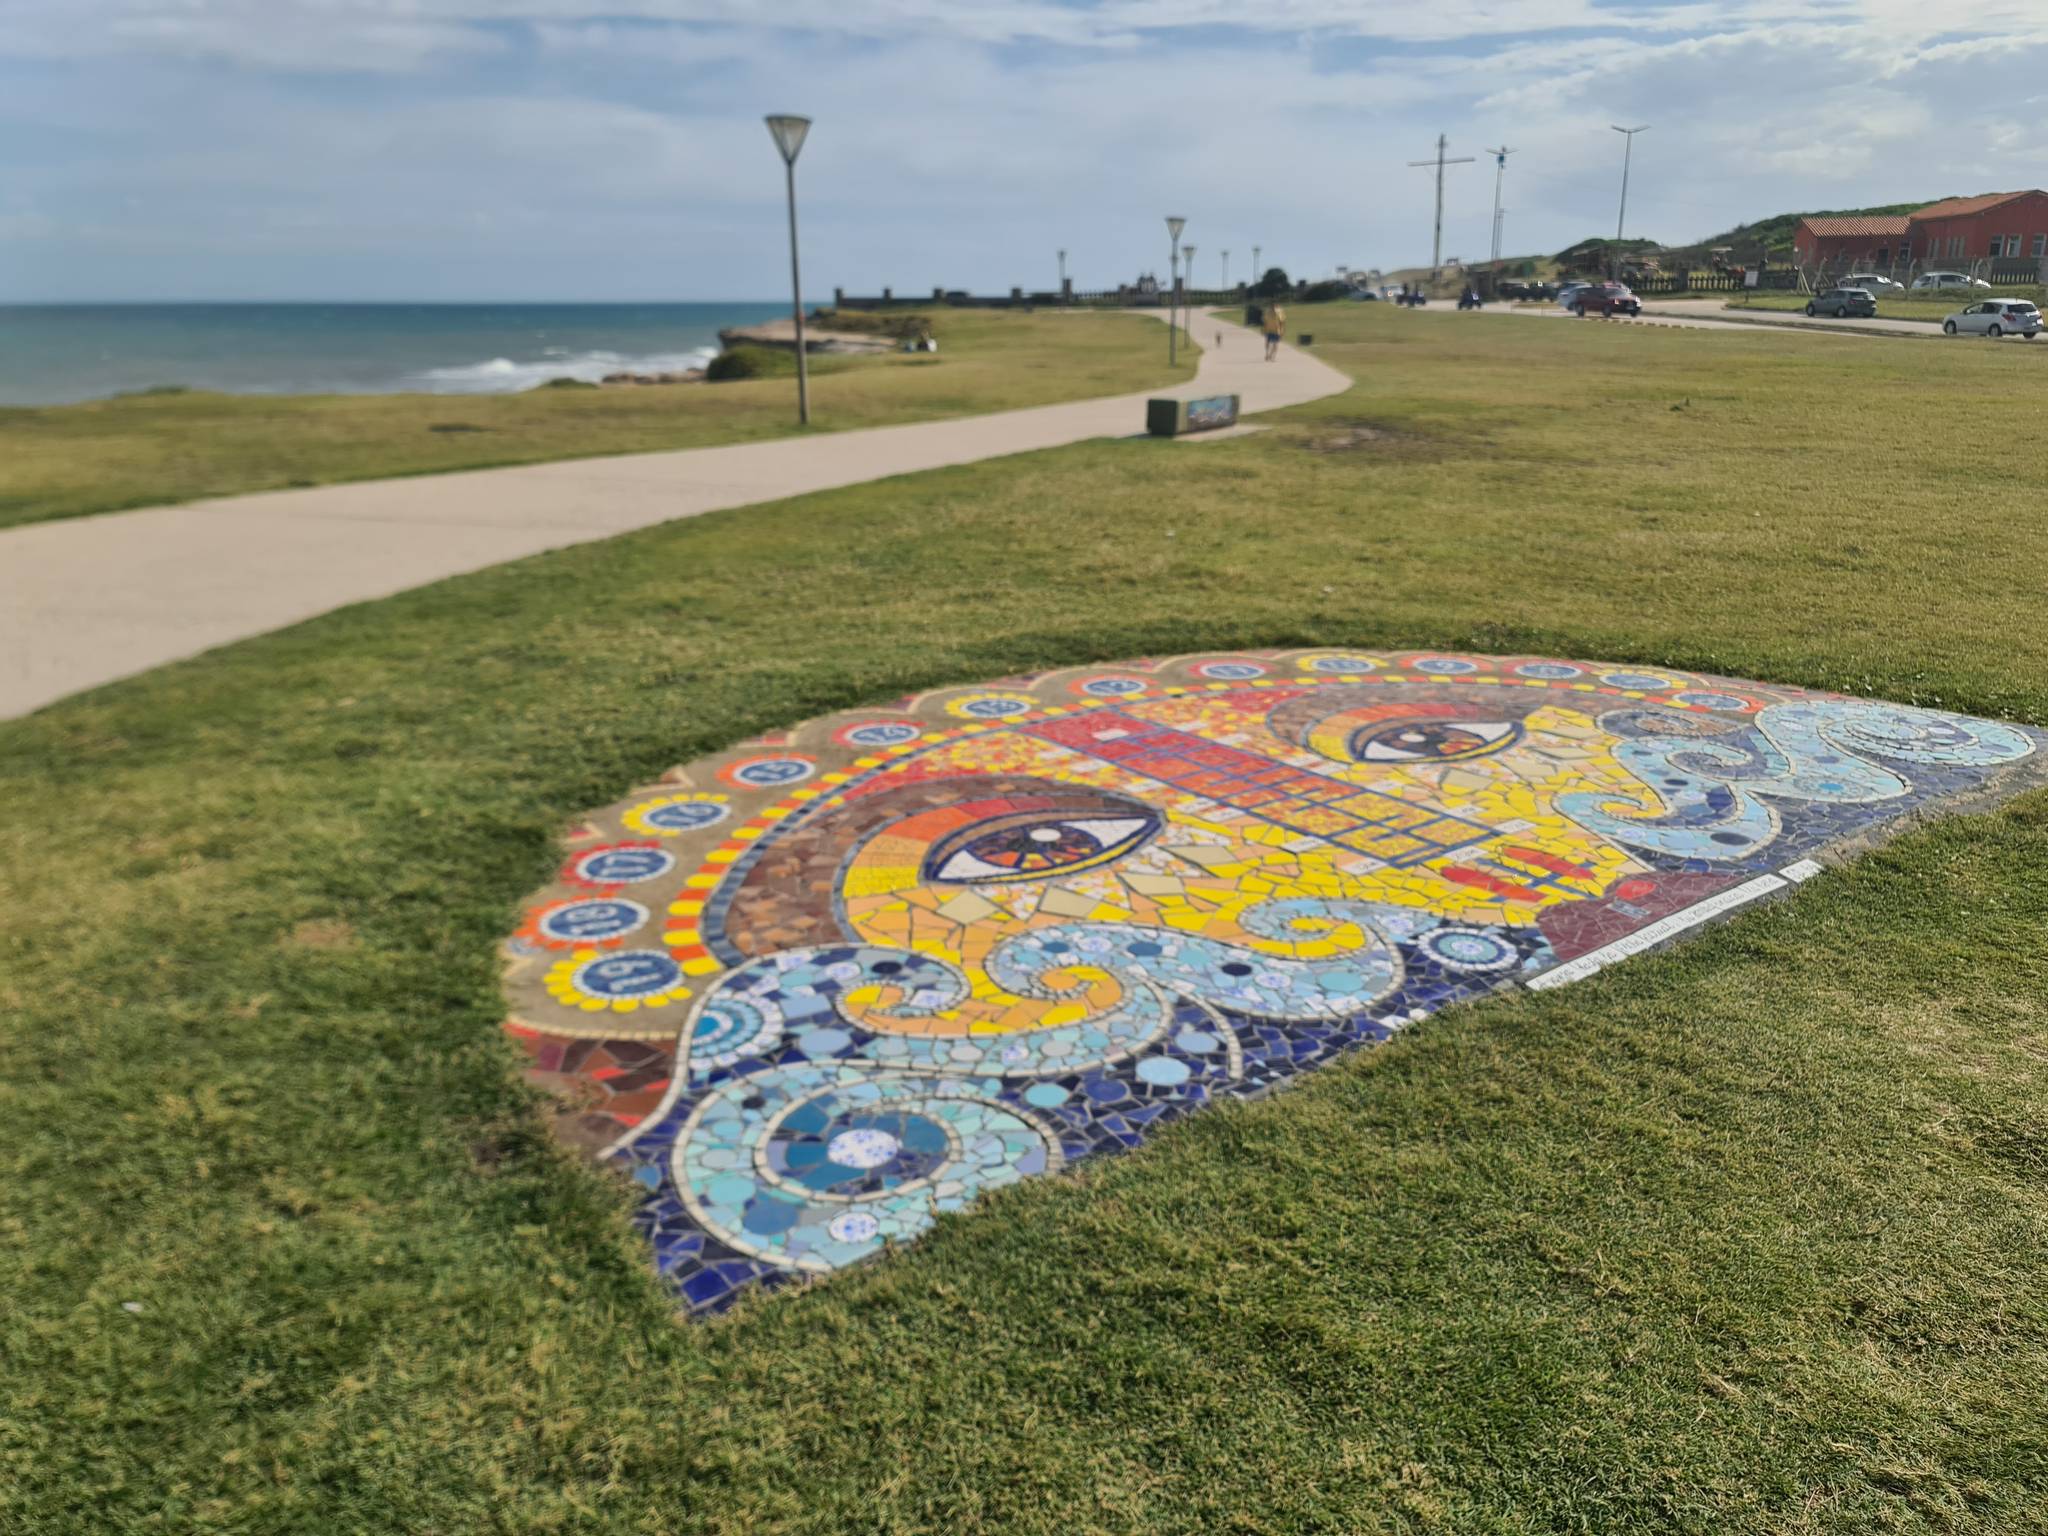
[814, 991]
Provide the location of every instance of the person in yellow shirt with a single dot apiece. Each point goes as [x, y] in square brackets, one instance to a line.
[1274, 322]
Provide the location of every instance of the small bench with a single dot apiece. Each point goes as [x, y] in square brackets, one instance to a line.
[1177, 418]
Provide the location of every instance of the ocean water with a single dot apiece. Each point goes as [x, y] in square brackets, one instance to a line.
[61, 352]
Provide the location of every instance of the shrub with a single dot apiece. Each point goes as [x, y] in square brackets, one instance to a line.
[568, 383]
[750, 363]
[1320, 293]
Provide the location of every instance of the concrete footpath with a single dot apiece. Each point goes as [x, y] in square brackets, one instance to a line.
[87, 600]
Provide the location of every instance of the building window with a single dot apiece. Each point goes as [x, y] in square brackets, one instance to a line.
[2040, 247]
[1997, 246]
[1955, 246]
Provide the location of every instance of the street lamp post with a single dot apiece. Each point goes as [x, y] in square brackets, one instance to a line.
[788, 132]
[1628, 136]
[1173, 228]
[1226, 271]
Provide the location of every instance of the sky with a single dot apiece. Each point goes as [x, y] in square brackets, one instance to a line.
[504, 150]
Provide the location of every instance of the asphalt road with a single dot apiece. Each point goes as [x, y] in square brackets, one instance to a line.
[1710, 315]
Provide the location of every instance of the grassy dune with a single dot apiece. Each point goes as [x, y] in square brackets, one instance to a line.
[142, 450]
[1741, 1238]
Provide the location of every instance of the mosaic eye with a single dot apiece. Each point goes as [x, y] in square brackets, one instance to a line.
[1432, 741]
[1024, 849]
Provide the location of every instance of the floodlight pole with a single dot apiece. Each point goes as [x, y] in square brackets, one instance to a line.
[1628, 151]
[788, 132]
[1226, 271]
[1500, 169]
[1173, 228]
[1063, 277]
[1187, 303]
[1257, 275]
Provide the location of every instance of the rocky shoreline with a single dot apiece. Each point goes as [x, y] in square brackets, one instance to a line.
[778, 335]
[781, 334]
[685, 376]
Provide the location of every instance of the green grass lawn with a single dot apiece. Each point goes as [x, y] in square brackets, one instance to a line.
[142, 450]
[1746, 1237]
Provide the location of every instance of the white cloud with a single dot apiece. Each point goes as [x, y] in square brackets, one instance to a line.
[613, 148]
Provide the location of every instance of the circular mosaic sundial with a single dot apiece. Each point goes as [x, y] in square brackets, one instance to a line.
[816, 989]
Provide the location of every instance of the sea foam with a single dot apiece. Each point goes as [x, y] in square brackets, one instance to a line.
[503, 376]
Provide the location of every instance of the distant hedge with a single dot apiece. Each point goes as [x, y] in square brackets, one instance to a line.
[877, 322]
[750, 363]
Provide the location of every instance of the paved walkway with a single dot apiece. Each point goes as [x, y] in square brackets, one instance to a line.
[88, 600]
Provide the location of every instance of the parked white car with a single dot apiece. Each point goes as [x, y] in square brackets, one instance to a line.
[1995, 317]
[1930, 282]
[1876, 285]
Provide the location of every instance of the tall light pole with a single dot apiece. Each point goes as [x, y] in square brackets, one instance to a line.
[1257, 275]
[1063, 274]
[1500, 168]
[788, 132]
[1173, 228]
[1226, 271]
[1436, 244]
[1187, 304]
[1629, 142]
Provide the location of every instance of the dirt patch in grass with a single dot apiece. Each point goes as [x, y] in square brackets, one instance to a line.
[1367, 437]
[322, 933]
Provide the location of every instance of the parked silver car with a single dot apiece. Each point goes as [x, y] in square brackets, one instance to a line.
[1932, 282]
[1872, 283]
[1995, 317]
[1842, 302]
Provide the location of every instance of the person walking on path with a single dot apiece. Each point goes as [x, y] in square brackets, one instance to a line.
[1274, 322]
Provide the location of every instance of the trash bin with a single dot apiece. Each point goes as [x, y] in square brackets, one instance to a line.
[1304, 340]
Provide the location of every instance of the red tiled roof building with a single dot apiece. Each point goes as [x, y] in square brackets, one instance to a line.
[1851, 242]
[1956, 232]
[2008, 226]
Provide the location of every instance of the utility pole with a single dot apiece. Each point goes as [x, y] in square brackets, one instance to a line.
[1257, 273]
[1500, 166]
[1226, 271]
[1436, 244]
[1063, 273]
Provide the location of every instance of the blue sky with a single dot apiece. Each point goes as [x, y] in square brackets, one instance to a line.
[613, 149]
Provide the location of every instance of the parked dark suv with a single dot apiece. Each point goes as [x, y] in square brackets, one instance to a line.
[1605, 299]
[1843, 301]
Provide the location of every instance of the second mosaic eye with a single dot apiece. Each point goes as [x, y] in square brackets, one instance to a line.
[1432, 741]
[1020, 849]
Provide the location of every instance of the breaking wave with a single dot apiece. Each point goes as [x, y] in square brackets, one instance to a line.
[503, 376]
